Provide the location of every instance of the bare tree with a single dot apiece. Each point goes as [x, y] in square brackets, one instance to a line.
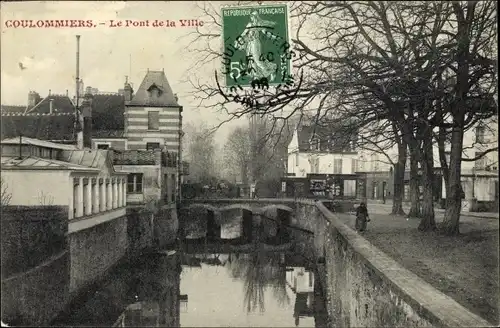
[200, 149]
[257, 153]
[475, 73]
[45, 199]
[6, 196]
[381, 61]
[237, 153]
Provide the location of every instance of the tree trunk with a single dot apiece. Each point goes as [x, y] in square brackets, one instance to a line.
[399, 176]
[450, 224]
[428, 222]
[244, 172]
[414, 185]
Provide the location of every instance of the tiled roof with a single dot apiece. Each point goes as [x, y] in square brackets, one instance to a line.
[44, 127]
[60, 104]
[37, 142]
[108, 114]
[36, 163]
[134, 157]
[13, 109]
[159, 80]
[104, 134]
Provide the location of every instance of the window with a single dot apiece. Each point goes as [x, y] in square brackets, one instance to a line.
[297, 159]
[315, 144]
[314, 165]
[102, 146]
[352, 144]
[153, 120]
[337, 166]
[480, 134]
[152, 145]
[331, 144]
[354, 166]
[134, 183]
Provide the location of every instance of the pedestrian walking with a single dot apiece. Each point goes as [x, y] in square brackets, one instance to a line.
[362, 217]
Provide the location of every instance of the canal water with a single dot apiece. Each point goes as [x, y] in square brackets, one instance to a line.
[260, 287]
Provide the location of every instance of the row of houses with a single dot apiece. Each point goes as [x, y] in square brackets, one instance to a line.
[316, 155]
[123, 148]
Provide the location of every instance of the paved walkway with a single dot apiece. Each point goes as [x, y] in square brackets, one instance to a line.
[378, 206]
[463, 267]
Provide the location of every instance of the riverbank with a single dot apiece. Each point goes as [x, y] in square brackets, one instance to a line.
[464, 268]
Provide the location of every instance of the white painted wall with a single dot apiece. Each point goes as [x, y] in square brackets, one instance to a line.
[39, 187]
[298, 163]
[293, 146]
[301, 164]
[301, 280]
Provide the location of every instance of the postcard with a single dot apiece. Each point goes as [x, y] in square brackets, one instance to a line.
[249, 163]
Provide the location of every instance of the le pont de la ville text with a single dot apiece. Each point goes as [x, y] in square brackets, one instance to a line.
[78, 23]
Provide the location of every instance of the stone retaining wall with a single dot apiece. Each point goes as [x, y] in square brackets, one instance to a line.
[35, 297]
[366, 288]
[94, 250]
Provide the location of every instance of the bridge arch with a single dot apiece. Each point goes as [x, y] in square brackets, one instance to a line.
[238, 206]
[277, 206]
[202, 205]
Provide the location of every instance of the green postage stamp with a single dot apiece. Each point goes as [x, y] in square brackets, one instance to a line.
[256, 45]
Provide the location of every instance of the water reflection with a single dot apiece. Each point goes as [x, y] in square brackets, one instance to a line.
[260, 289]
[257, 289]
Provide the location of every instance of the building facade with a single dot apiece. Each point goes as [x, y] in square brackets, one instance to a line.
[145, 121]
[479, 177]
[319, 156]
[41, 173]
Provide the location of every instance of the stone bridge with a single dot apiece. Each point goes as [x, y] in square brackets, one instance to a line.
[272, 217]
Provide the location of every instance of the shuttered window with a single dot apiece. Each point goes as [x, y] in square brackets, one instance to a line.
[153, 120]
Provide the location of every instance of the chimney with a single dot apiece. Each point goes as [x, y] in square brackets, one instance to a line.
[86, 113]
[127, 91]
[32, 98]
[50, 91]
[51, 106]
[67, 93]
[79, 118]
[176, 97]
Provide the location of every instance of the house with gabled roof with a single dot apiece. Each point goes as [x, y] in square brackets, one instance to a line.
[153, 116]
[317, 154]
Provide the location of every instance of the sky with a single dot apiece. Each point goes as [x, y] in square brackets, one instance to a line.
[107, 54]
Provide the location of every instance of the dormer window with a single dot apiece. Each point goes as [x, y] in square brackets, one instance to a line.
[155, 91]
[480, 134]
[315, 144]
